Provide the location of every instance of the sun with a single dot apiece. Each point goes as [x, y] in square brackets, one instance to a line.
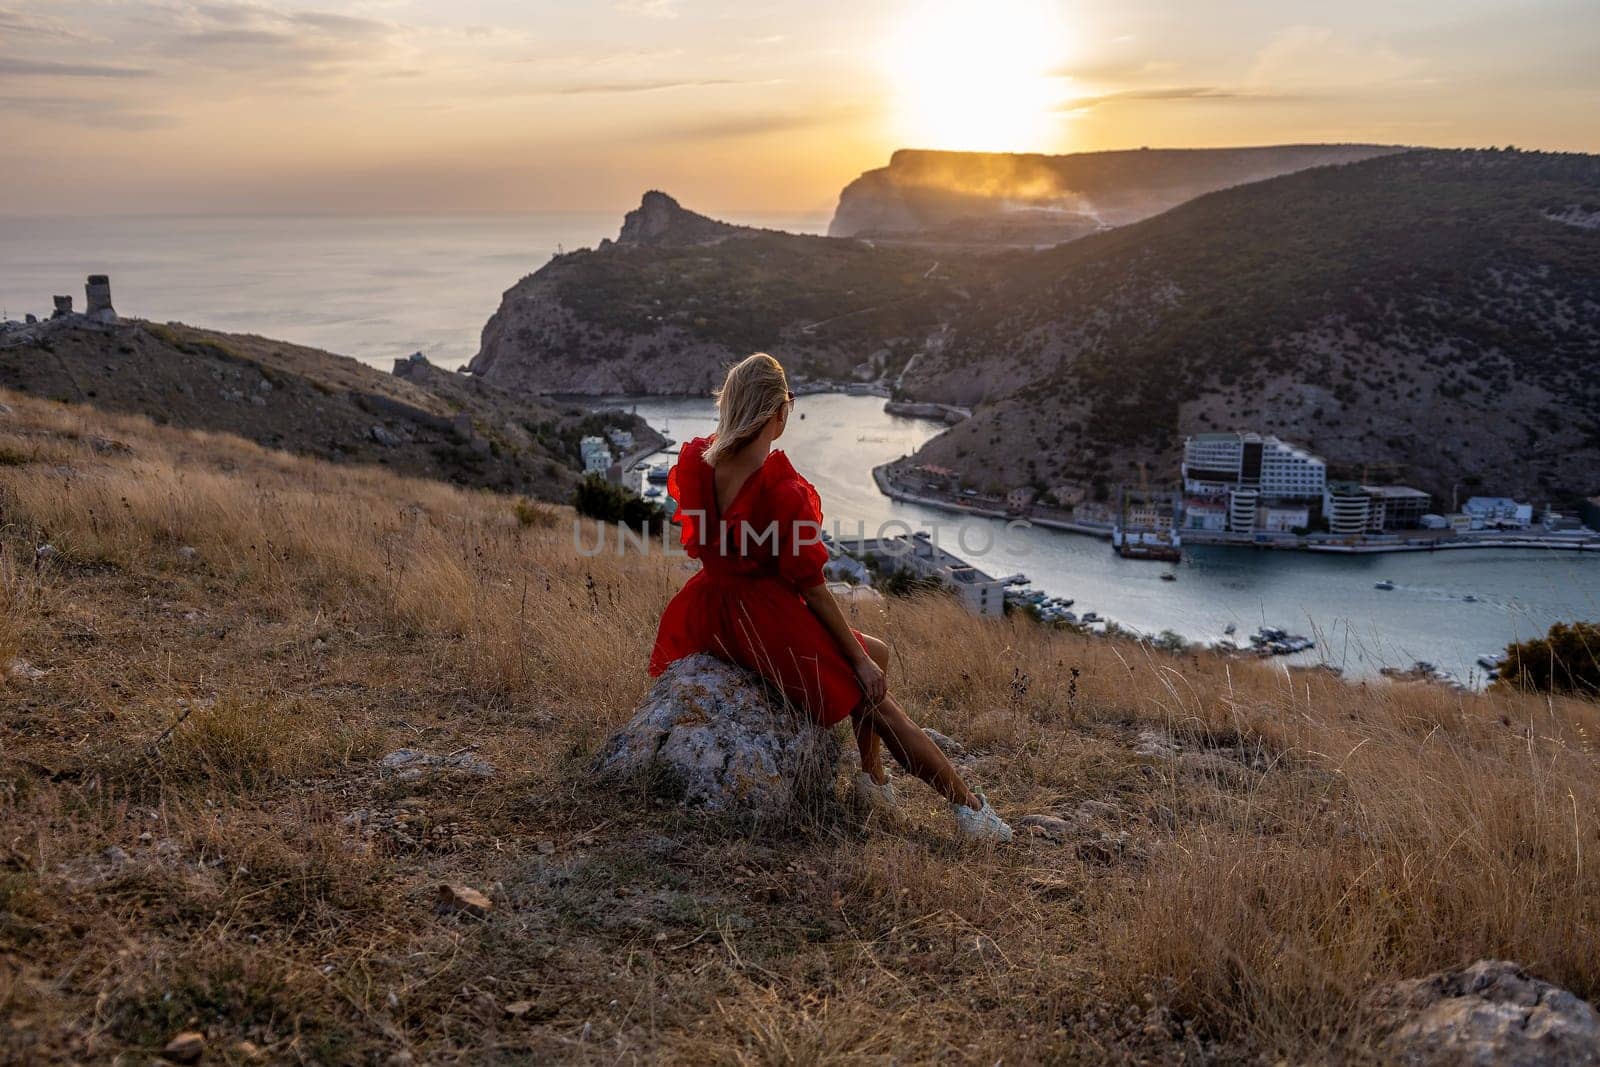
[977, 75]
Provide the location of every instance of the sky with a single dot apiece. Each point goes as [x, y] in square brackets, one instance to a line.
[509, 106]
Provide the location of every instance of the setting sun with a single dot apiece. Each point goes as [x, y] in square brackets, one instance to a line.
[977, 76]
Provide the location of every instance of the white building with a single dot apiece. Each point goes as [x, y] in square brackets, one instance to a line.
[596, 456]
[1348, 509]
[623, 439]
[1215, 464]
[978, 591]
[1498, 511]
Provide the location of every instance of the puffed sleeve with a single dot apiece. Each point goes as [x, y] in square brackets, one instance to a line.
[801, 553]
[685, 515]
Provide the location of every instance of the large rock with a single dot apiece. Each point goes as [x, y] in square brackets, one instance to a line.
[1490, 1014]
[712, 736]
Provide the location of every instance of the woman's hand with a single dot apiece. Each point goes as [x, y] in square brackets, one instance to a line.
[872, 680]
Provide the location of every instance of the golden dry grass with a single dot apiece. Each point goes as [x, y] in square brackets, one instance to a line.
[220, 719]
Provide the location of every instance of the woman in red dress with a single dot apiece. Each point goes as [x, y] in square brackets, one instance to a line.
[760, 601]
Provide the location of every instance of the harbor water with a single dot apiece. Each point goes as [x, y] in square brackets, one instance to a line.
[1358, 627]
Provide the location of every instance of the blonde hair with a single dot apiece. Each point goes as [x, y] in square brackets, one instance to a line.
[754, 390]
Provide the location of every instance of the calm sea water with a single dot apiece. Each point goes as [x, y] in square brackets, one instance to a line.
[377, 288]
[372, 288]
[1331, 598]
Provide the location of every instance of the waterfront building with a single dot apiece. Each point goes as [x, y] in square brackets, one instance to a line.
[1019, 499]
[597, 458]
[1347, 507]
[1397, 507]
[1217, 464]
[1069, 494]
[1285, 518]
[1242, 507]
[1205, 513]
[622, 439]
[917, 555]
[1589, 512]
[1499, 511]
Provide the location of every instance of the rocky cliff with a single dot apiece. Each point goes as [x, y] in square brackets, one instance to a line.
[984, 198]
[678, 296]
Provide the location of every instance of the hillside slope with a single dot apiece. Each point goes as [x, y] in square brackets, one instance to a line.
[1435, 310]
[258, 708]
[428, 423]
[990, 198]
[668, 314]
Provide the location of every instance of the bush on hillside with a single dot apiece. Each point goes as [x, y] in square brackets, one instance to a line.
[597, 498]
[1566, 660]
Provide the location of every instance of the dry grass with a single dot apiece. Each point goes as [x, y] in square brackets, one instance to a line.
[219, 717]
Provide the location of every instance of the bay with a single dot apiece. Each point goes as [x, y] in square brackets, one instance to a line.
[1358, 628]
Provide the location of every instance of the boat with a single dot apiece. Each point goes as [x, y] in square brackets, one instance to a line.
[1230, 629]
[1090, 616]
[1470, 598]
[658, 475]
[1491, 661]
[1385, 584]
[1168, 576]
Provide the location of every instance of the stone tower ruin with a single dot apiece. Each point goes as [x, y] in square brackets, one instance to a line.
[97, 293]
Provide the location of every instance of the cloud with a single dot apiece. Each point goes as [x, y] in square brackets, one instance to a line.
[246, 37]
[650, 9]
[46, 68]
[99, 114]
[25, 24]
[737, 126]
[661, 85]
[1173, 93]
[1316, 56]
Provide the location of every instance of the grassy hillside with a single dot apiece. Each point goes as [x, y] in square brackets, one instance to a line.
[199, 830]
[306, 401]
[1438, 310]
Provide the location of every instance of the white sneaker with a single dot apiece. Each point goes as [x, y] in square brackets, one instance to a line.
[875, 798]
[980, 824]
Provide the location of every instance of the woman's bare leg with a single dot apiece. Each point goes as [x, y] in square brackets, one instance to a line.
[915, 751]
[867, 742]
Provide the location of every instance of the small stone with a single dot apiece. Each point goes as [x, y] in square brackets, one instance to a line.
[247, 1050]
[948, 745]
[384, 437]
[462, 900]
[187, 1047]
[46, 552]
[23, 671]
[545, 846]
[1048, 826]
[114, 854]
[188, 552]
[518, 1008]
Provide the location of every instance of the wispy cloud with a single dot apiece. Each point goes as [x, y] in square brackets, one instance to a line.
[14, 23]
[657, 86]
[650, 9]
[1178, 93]
[46, 68]
[96, 113]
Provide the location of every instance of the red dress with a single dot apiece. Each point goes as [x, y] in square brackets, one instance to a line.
[744, 605]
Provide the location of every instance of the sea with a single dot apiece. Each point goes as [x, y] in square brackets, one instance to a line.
[383, 287]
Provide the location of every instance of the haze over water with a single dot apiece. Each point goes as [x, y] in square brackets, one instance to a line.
[374, 288]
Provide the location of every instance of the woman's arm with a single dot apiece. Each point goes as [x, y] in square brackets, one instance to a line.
[822, 604]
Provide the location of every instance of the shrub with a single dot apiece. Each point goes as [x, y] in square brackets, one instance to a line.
[1566, 660]
[597, 498]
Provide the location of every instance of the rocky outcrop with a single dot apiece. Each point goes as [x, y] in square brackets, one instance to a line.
[1491, 1014]
[661, 220]
[711, 736]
